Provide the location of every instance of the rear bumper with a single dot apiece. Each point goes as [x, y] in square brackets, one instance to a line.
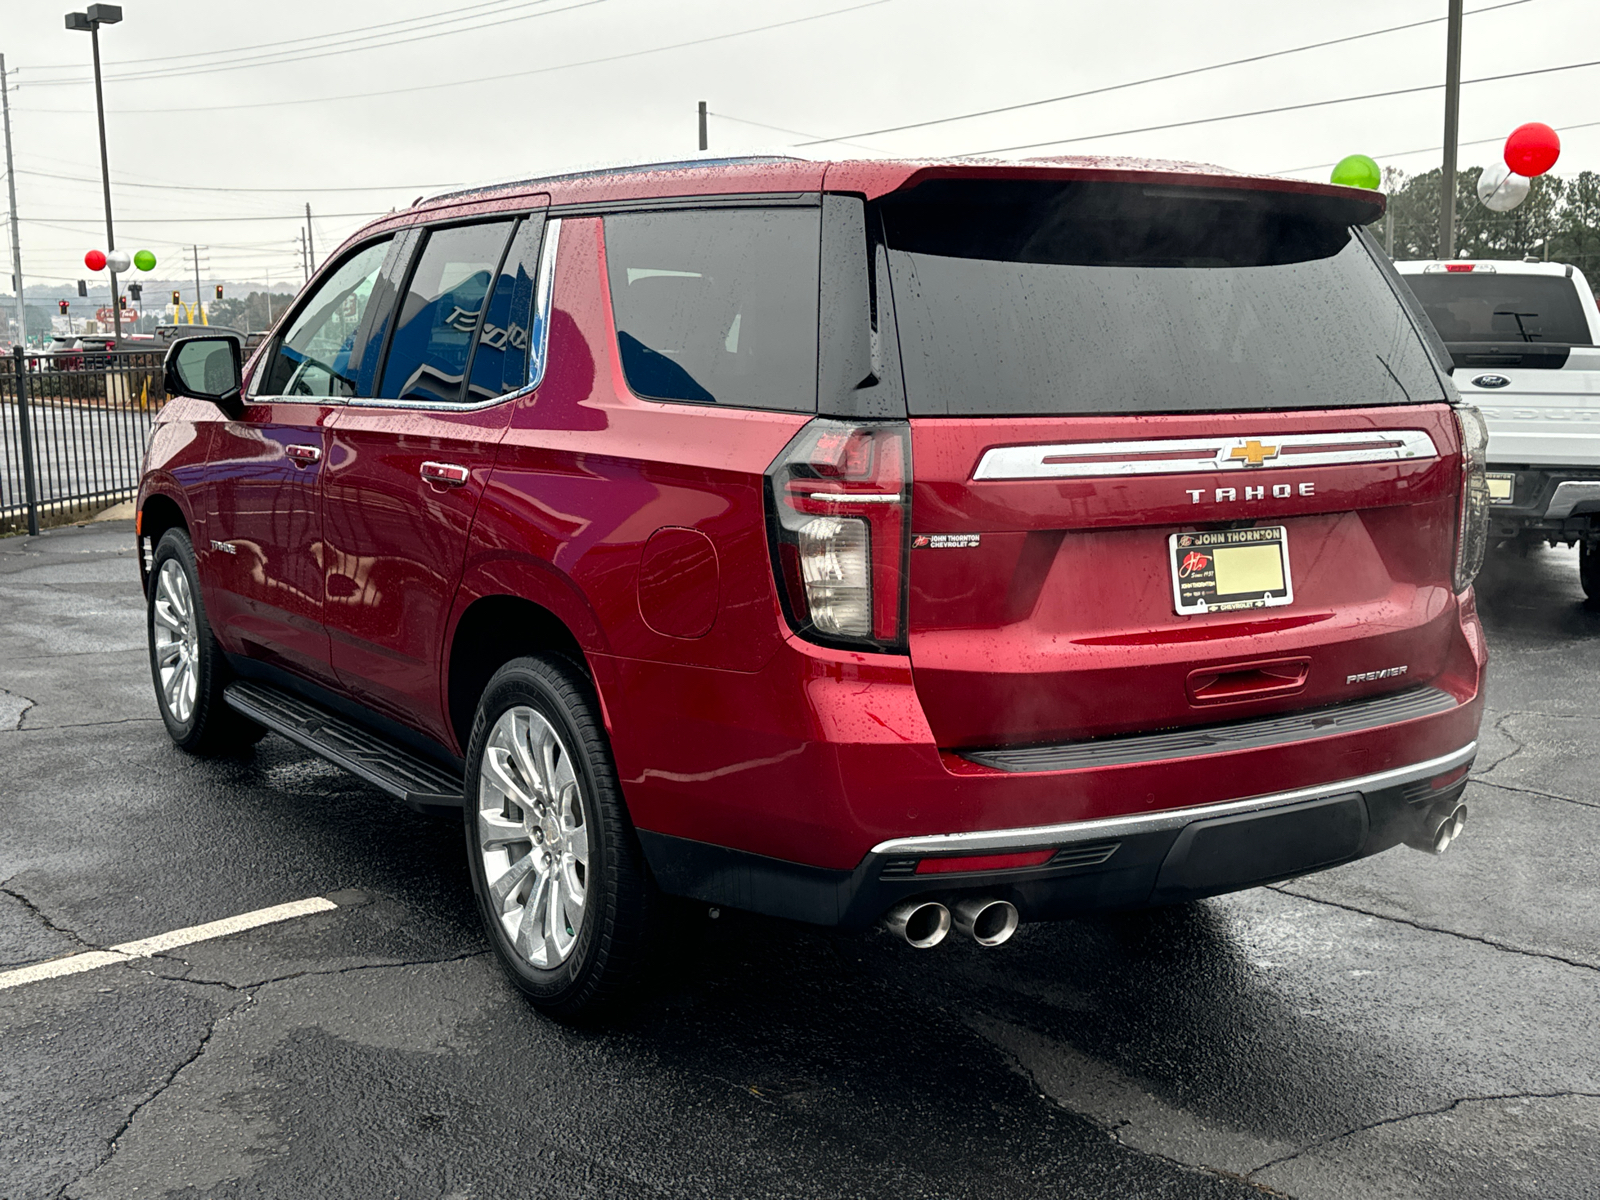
[1116, 862]
[1546, 498]
[813, 788]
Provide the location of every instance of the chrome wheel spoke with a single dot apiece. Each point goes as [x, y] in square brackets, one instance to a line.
[530, 932]
[496, 768]
[578, 845]
[503, 888]
[519, 745]
[571, 897]
[495, 831]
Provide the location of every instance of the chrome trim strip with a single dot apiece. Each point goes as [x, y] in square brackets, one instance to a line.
[1568, 496]
[1173, 456]
[1039, 837]
[539, 337]
[857, 497]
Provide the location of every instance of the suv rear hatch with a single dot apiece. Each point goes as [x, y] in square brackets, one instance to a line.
[1180, 456]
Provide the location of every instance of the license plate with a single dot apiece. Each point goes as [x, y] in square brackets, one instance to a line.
[1502, 488]
[1229, 569]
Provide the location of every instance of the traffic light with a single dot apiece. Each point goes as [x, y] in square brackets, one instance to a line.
[62, 305]
[122, 302]
[136, 291]
[83, 288]
[219, 291]
[176, 298]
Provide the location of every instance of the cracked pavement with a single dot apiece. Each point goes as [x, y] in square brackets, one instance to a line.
[1400, 1027]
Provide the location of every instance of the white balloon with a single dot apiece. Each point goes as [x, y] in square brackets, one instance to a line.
[1501, 189]
[118, 261]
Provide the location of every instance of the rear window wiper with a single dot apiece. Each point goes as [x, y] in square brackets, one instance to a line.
[1526, 336]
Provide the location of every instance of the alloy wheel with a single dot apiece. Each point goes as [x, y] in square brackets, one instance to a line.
[533, 837]
[177, 640]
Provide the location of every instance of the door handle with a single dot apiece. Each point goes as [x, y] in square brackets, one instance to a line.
[446, 473]
[304, 456]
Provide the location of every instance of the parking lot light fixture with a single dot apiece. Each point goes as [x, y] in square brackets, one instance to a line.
[90, 22]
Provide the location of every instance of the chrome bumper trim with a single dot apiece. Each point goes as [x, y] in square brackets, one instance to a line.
[1568, 496]
[1039, 837]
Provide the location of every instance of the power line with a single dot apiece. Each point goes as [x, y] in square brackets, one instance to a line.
[1235, 62]
[1261, 112]
[178, 187]
[791, 132]
[280, 57]
[498, 78]
[315, 37]
[121, 220]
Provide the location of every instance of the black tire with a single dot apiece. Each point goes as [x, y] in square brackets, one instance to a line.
[619, 905]
[1589, 570]
[203, 724]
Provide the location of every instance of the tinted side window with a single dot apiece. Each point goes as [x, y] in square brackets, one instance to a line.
[314, 357]
[718, 306]
[440, 313]
[500, 362]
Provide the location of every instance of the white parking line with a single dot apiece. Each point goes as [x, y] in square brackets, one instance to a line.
[144, 947]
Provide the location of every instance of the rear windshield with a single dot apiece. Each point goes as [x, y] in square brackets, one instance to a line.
[1483, 307]
[1040, 298]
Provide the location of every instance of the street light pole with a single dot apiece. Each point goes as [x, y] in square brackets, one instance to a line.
[102, 14]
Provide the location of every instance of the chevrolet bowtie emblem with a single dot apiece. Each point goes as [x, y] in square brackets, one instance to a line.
[1253, 453]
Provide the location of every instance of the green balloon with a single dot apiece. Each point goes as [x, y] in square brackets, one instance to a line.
[144, 260]
[1357, 170]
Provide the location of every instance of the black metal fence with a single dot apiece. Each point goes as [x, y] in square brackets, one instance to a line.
[73, 427]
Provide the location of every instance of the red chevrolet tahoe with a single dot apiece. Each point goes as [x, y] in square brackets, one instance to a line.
[942, 544]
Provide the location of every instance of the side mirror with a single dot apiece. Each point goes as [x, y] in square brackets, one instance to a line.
[207, 368]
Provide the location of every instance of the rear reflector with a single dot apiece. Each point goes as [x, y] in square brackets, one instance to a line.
[983, 862]
[1449, 777]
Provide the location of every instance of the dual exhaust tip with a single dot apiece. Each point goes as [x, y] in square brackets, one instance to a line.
[1439, 827]
[925, 923]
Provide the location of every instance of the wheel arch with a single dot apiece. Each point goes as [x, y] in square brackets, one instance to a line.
[158, 512]
[490, 632]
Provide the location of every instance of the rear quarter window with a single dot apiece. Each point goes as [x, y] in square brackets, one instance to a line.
[717, 306]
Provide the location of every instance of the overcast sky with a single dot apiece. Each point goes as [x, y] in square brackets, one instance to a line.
[501, 89]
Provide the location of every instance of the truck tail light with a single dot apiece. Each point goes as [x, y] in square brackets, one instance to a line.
[838, 515]
[1472, 537]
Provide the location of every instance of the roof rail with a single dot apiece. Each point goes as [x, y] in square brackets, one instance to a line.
[595, 172]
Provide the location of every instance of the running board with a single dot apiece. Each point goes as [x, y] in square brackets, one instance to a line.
[407, 776]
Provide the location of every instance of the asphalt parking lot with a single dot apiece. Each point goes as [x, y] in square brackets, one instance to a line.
[1401, 1027]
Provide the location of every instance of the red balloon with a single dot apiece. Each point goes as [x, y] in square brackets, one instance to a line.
[1532, 149]
[95, 261]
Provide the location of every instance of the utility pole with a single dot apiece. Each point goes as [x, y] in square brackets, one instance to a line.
[1390, 176]
[199, 304]
[16, 238]
[305, 264]
[1452, 113]
[705, 142]
[311, 246]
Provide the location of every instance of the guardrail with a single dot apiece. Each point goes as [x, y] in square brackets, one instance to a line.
[73, 428]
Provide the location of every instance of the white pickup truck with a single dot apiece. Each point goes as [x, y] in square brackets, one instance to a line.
[1522, 336]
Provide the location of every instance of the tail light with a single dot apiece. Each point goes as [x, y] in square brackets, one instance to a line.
[838, 506]
[1472, 538]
